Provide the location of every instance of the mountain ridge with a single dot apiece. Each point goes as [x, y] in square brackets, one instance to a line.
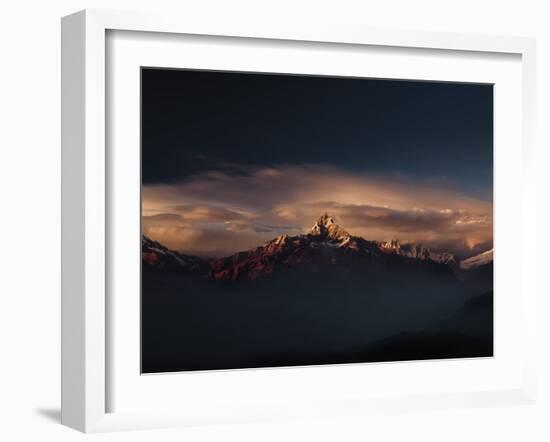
[326, 241]
[477, 261]
[155, 254]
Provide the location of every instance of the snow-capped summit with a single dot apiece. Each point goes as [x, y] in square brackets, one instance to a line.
[327, 229]
[477, 260]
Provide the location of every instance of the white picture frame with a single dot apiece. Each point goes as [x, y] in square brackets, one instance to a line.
[85, 206]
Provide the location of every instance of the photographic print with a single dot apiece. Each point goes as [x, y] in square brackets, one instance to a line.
[302, 220]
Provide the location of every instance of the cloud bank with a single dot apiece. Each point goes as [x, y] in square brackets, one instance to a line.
[221, 212]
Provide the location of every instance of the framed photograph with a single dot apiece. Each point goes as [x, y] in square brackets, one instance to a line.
[267, 222]
[250, 183]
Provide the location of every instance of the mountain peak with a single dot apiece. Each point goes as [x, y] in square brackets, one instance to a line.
[326, 220]
[327, 228]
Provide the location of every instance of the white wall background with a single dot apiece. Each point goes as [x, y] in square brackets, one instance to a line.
[30, 216]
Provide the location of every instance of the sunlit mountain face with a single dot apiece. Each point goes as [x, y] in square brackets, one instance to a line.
[295, 220]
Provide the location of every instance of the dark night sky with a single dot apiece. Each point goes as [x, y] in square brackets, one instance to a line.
[193, 121]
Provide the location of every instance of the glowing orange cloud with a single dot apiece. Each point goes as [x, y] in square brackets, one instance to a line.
[220, 213]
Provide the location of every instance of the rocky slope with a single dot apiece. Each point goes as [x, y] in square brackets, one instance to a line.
[155, 255]
[477, 261]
